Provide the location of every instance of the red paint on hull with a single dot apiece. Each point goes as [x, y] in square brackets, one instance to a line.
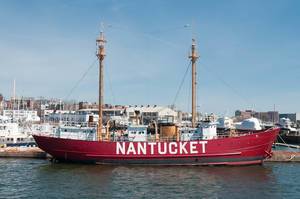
[252, 148]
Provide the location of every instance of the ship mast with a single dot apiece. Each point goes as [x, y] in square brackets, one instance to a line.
[194, 56]
[100, 41]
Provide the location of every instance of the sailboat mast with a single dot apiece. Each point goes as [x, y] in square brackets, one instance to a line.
[100, 54]
[194, 58]
[14, 94]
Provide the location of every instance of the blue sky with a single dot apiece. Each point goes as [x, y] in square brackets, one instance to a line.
[249, 51]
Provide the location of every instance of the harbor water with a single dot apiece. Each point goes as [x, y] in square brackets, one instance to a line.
[35, 178]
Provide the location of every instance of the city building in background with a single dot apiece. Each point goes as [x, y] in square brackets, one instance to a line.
[55, 110]
[269, 116]
[22, 115]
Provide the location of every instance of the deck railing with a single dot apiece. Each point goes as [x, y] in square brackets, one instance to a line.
[152, 138]
[116, 137]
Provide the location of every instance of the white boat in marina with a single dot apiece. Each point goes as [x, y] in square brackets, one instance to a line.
[286, 125]
[11, 134]
[20, 134]
[252, 123]
[225, 123]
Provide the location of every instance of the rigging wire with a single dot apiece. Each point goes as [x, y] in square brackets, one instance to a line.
[79, 81]
[110, 86]
[150, 34]
[189, 95]
[181, 84]
[158, 31]
[235, 91]
[113, 98]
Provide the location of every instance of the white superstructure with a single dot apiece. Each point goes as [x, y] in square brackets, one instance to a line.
[137, 133]
[208, 130]
[76, 132]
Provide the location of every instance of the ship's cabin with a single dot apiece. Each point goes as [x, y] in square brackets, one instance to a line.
[208, 130]
[137, 133]
[205, 131]
[73, 132]
[188, 133]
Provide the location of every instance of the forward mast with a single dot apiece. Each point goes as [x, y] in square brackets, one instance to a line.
[100, 41]
[194, 56]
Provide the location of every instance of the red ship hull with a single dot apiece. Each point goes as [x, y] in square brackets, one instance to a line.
[247, 149]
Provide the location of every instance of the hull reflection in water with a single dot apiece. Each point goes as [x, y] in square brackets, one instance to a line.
[105, 181]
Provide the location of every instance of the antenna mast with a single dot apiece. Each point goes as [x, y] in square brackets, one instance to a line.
[100, 41]
[194, 56]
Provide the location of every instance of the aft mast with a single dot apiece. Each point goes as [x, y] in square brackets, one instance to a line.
[194, 56]
[100, 41]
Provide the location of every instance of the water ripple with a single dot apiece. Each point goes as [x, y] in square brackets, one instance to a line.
[27, 178]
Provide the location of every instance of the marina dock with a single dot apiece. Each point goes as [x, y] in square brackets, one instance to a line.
[288, 145]
[22, 152]
[284, 156]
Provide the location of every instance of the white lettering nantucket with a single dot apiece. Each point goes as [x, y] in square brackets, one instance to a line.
[173, 147]
[203, 145]
[120, 149]
[164, 150]
[182, 148]
[193, 147]
[152, 146]
[142, 149]
[131, 149]
[161, 148]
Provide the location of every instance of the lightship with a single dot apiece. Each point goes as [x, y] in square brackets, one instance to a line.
[244, 148]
